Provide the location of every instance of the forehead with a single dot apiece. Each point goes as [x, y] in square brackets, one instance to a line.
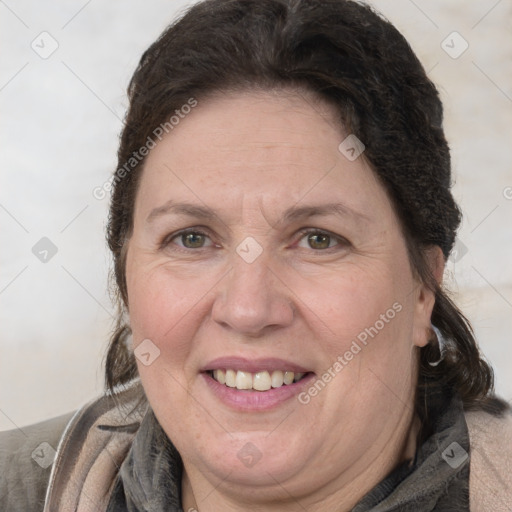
[260, 148]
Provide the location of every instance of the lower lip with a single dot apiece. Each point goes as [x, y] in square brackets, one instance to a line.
[255, 400]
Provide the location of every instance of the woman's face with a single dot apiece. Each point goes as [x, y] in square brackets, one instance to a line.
[260, 248]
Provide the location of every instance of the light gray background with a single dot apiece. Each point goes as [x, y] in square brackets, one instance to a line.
[60, 119]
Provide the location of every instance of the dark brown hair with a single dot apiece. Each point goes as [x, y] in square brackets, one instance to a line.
[350, 56]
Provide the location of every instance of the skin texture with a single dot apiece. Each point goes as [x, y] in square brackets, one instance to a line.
[249, 157]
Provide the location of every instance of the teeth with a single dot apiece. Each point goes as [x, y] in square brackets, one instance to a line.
[277, 379]
[261, 381]
[243, 380]
[219, 376]
[230, 378]
[288, 377]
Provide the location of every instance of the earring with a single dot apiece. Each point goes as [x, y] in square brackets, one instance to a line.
[441, 341]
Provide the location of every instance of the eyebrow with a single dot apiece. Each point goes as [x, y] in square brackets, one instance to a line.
[339, 209]
[292, 214]
[171, 207]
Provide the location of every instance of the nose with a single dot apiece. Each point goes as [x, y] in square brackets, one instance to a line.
[252, 300]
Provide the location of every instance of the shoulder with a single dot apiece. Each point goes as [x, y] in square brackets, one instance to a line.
[26, 456]
[490, 481]
[92, 449]
[38, 462]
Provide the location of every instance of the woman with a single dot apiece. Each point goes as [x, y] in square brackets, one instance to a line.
[280, 219]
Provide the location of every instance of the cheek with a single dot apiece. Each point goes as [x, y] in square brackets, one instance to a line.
[354, 303]
[164, 307]
[362, 320]
[167, 311]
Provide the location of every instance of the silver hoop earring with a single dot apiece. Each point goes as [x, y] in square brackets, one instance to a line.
[441, 340]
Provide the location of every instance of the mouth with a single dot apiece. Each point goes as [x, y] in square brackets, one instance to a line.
[264, 380]
[256, 385]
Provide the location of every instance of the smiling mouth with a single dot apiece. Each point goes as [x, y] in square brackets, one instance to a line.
[260, 381]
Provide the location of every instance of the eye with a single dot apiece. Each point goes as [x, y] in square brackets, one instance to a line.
[192, 239]
[319, 240]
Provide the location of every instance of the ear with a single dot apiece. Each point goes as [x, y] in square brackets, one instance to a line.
[425, 298]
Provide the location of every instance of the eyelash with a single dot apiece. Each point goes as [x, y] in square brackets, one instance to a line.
[310, 231]
[168, 239]
[302, 233]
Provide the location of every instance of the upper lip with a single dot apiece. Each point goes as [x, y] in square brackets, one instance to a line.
[253, 365]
